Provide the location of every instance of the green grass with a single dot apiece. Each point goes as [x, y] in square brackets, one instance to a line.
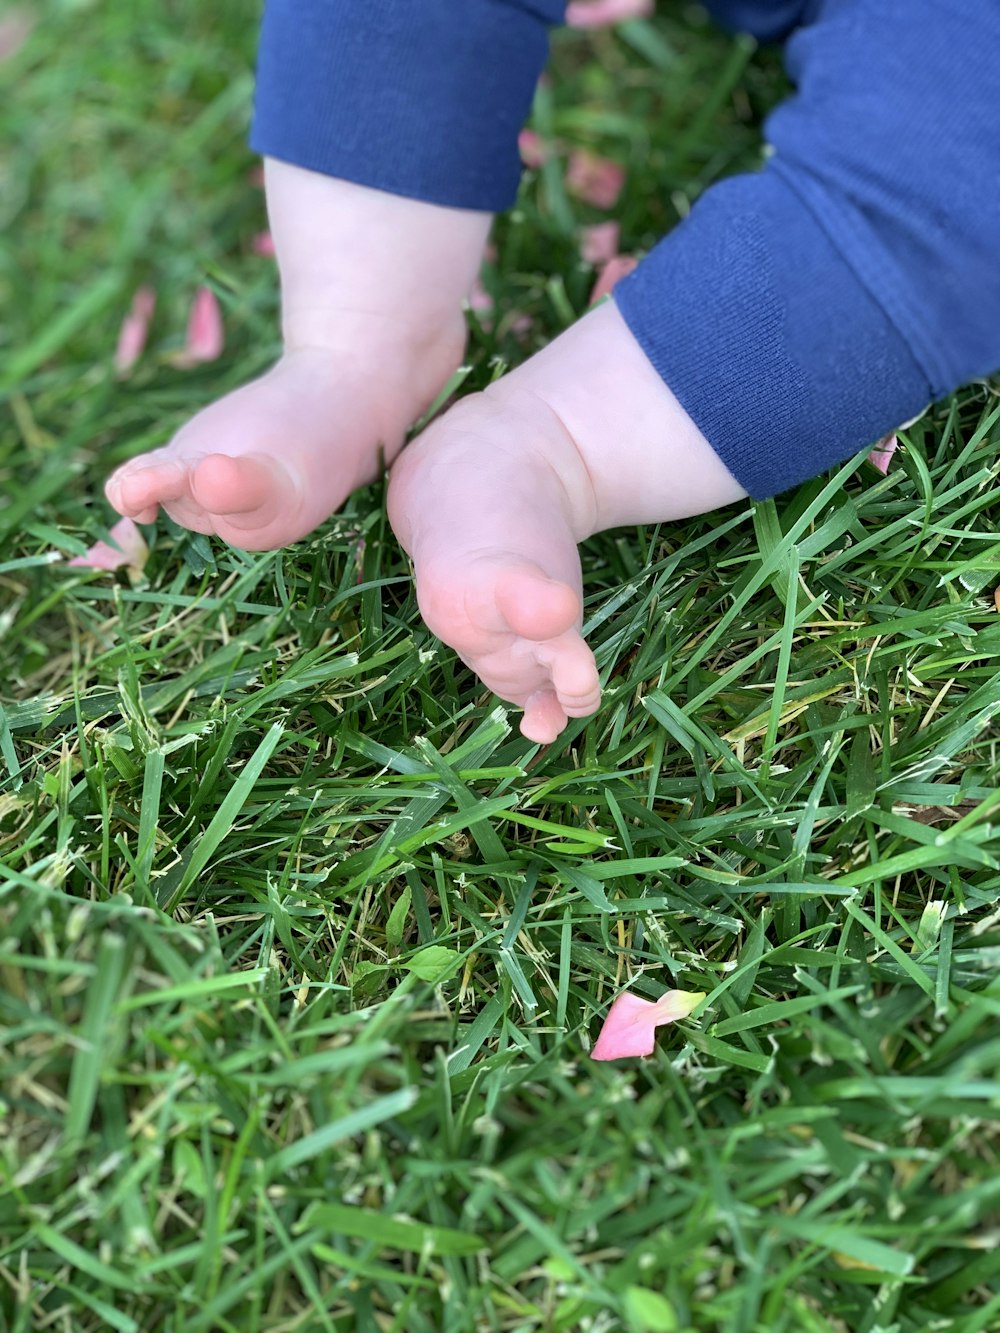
[302, 947]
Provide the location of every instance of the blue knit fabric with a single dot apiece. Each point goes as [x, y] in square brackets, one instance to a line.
[799, 312]
[767, 20]
[423, 98]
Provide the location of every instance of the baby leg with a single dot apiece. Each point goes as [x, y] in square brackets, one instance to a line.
[492, 499]
[372, 287]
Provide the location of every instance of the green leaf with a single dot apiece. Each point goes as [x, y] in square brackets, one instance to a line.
[853, 1244]
[436, 963]
[395, 926]
[929, 925]
[649, 1312]
[395, 1233]
[189, 1170]
[320, 1141]
[97, 1036]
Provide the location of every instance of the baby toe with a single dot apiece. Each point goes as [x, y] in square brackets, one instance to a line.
[574, 676]
[238, 486]
[140, 487]
[543, 717]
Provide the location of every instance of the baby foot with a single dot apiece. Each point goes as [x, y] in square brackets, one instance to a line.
[268, 463]
[491, 501]
[488, 502]
[372, 286]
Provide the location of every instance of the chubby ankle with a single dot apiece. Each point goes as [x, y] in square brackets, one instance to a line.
[362, 266]
[367, 335]
[395, 364]
[644, 457]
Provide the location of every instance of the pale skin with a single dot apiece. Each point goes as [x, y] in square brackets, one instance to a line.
[492, 499]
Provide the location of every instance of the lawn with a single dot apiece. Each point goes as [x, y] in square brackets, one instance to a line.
[303, 948]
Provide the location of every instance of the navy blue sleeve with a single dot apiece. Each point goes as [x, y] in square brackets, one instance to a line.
[767, 20]
[422, 98]
[801, 312]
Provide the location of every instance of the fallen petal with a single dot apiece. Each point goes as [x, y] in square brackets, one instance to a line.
[134, 330]
[534, 150]
[129, 549]
[205, 335]
[602, 13]
[520, 324]
[479, 297]
[612, 272]
[482, 303]
[881, 455]
[599, 244]
[630, 1026]
[15, 29]
[263, 244]
[594, 179]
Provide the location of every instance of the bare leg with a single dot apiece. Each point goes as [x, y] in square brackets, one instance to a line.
[493, 498]
[372, 289]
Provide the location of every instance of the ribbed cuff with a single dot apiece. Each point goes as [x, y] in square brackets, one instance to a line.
[422, 98]
[767, 338]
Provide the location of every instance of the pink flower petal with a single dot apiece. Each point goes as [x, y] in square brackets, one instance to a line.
[599, 243]
[132, 550]
[520, 325]
[881, 455]
[602, 13]
[135, 327]
[482, 303]
[535, 151]
[256, 176]
[612, 272]
[479, 297]
[263, 244]
[631, 1023]
[205, 335]
[594, 179]
[15, 29]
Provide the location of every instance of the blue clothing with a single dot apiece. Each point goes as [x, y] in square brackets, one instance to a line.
[800, 311]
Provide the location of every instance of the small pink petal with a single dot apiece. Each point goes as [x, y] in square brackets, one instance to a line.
[479, 297]
[126, 536]
[205, 334]
[535, 151]
[134, 329]
[263, 244]
[482, 303]
[599, 243]
[256, 176]
[594, 179]
[521, 324]
[631, 1023]
[602, 13]
[881, 455]
[15, 29]
[611, 274]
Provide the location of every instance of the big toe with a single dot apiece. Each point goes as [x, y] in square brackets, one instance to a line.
[535, 606]
[251, 487]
